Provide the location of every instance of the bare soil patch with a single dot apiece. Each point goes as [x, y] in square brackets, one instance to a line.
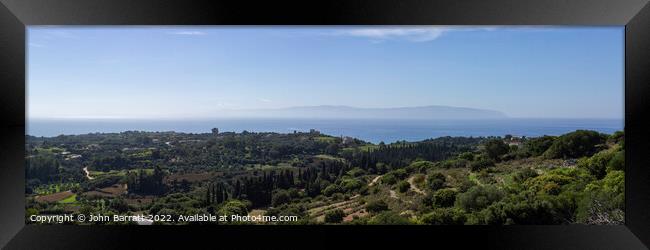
[413, 186]
[54, 197]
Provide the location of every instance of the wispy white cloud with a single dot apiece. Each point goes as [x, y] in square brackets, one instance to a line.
[264, 100]
[412, 34]
[189, 33]
[409, 34]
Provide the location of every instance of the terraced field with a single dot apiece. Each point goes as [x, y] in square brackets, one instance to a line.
[55, 197]
[350, 207]
[112, 191]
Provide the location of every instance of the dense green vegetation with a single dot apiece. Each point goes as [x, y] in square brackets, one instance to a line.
[572, 178]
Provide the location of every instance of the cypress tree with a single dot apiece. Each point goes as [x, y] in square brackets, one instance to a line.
[208, 196]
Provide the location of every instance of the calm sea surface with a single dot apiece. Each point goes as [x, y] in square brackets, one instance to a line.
[369, 130]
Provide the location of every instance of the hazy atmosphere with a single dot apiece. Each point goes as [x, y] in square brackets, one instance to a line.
[210, 72]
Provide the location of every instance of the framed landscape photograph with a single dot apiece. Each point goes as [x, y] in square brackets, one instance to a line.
[503, 129]
[439, 125]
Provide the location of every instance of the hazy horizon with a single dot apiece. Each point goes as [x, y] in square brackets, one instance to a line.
[232, 114]
[187, 72]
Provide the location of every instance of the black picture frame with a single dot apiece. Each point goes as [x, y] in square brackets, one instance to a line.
[633, 14]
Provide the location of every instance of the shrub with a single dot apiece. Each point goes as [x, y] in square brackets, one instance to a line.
[575, 145]
[233, 207]
[494, 148]
[350, 184]
[481, 164]
[597, 164]
[617, 162]
[456, 163]
[389, 179]
[604, 201]
[616, 137]
[399, 173]
[614, 182]
[294, 193]
[524, 174]
[356, 172]
[468, 156]
[363, 190]
[421, 166]
[548, 182]
[436, 181]
[444, 197]
[466, 184]
[334, 216]
[537, 146]
[535, 212]
[381, 167]
[551, 188]
[389, 218]
[445, 216]
[479, 197]
[403, 186]
[419, 178]
[331, 189]
[376, 206]
[427, 200]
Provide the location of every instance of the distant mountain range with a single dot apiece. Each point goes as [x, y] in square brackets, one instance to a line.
[347, 112]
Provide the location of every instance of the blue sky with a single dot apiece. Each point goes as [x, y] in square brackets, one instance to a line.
[196, 71]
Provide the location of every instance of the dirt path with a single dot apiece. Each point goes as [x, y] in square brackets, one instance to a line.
[372, 183]
[413, 186]
[88, 174]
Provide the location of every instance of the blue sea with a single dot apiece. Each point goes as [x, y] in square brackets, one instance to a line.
[372, 130]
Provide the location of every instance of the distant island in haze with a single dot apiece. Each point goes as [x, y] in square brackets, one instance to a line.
[432, 112]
